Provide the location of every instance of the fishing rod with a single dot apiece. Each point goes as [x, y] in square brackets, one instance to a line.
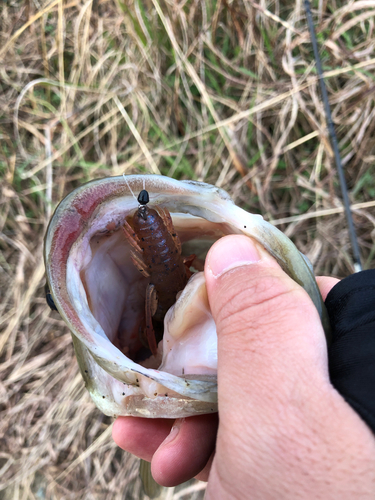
[333, 137]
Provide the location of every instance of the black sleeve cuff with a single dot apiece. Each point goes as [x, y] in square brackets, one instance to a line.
[351, 356]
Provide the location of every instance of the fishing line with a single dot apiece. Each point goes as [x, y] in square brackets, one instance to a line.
[126, 180]
[333, 137]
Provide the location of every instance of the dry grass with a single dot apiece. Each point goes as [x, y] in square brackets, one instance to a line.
[221, 91]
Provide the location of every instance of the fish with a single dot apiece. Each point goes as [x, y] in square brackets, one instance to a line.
[100, 294]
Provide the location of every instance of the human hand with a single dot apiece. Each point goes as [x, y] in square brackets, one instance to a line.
[284, 431]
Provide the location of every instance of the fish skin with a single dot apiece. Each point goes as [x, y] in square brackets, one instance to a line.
[150, 487]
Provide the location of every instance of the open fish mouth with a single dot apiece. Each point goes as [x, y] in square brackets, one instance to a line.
[100, 294]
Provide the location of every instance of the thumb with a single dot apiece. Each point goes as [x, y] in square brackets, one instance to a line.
[270, 338]
[284, 432]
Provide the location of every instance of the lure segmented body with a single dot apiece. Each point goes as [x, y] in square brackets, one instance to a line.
[161, 255]
[156, 252]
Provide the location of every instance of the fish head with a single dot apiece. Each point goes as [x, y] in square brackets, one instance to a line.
[100, 294]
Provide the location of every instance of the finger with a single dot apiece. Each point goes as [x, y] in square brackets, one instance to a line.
[186, 451]
[203, 475]
[251, 298]
[141, 436]
[282, 424]
[326, 283]
[273, 383]
[266, 323]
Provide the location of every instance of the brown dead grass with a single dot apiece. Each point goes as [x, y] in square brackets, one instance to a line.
[219, 91]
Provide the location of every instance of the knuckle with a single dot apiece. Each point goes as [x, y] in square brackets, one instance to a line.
[267, 293]
[262, 303]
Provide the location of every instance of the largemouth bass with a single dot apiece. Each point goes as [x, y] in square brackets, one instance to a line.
[100, 293]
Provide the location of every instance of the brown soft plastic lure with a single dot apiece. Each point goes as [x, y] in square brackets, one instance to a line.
[156, 253]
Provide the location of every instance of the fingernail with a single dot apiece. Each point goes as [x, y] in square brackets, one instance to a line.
[231, 252]
[174, 431]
